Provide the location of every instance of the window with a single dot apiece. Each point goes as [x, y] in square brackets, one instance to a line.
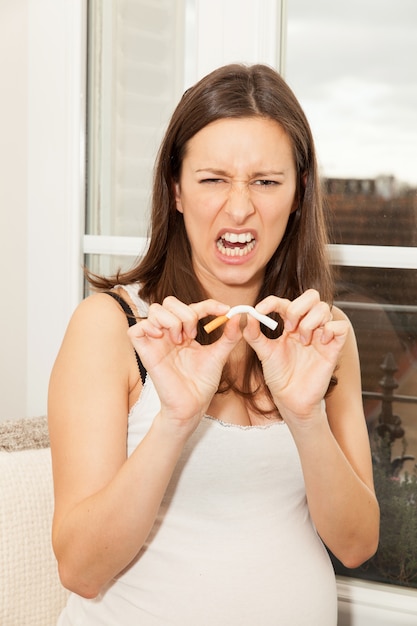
[135, 79]
[350, 63]
[352, 66]
[142, 55]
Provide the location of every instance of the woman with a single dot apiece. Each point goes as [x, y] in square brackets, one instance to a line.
[201, 491]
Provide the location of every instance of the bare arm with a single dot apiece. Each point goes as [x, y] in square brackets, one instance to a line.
[337, 464]
[105, 503]
[331, 436]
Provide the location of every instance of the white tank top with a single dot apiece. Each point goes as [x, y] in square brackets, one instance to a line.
[233, 543]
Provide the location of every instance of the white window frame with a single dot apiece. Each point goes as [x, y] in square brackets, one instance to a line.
[56, 182]
[208, 44]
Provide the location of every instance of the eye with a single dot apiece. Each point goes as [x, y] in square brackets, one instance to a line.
[211, 181]
[266, 183]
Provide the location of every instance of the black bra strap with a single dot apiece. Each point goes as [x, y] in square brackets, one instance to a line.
[131, 320]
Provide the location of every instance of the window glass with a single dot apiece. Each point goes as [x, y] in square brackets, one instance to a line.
[372, 212]
[135, 78]
[382, 306]
[107, 265]
[351, 65]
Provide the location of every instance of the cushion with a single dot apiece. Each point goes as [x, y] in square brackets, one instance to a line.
[23, 434]
[30, 591]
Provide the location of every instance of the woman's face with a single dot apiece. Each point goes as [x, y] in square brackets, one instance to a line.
[236, 192]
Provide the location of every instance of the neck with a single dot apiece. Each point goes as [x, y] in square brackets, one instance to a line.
[234, 295]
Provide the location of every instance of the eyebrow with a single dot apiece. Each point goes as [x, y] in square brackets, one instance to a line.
[260, 174]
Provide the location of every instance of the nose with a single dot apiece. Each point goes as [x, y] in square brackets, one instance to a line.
[239, 205]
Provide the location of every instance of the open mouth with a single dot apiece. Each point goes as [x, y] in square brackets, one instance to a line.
[233, 244]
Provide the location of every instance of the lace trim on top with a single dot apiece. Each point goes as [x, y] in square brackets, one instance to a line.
[242, 427]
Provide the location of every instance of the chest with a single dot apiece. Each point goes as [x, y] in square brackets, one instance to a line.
[232, 408]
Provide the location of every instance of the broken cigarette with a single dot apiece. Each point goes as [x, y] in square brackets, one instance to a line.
[218, 321]
[235, 310]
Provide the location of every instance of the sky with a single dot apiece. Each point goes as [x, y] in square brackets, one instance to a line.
[353, 66]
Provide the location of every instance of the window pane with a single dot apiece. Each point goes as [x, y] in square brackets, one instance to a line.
[381, 304]
[108, 264]
[352, 66]
[376, 212]
[135, 78]
[382, 307]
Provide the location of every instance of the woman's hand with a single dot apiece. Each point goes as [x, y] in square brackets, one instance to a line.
[186, 374]
[298, 365]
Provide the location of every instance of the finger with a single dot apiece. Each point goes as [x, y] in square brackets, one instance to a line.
[211, 307]
[185, 314]
[230, 337]
[252, 331]
[162, 318]
[302, 315]
[256, 339]
[155, 325]
[299, 308]
[334, 330]
[144, 328]
[316, 318]
[273, 303]
[191, 314]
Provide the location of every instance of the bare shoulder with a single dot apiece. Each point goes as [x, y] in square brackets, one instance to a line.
[96, 360]
[350, 350]
[89, 399]
[338, 314]
[348, 371]
[98, 311]
[98, 322]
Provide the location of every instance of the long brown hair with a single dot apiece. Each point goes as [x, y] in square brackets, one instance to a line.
[300, 261]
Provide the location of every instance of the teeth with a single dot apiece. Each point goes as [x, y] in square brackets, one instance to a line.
[235, 238]
[236, 251]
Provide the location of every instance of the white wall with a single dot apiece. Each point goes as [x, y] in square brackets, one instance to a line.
[13, 205]
[41, 117]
